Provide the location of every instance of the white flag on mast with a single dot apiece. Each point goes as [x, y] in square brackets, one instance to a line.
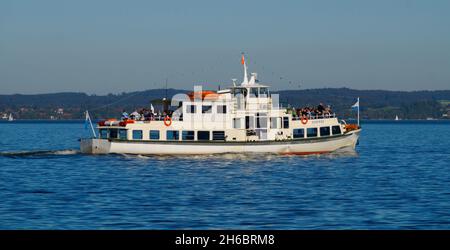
[356, 105]
[152, 108]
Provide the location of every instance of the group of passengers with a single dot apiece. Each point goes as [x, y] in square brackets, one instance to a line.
[318, 112]
[143, 114]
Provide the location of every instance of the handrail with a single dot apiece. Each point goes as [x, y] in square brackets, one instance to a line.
[159, 118]
[315, 117]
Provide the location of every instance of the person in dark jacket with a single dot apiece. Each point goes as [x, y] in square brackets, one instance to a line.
[320, 109]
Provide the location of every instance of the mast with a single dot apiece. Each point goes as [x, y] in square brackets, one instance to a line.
[88, 119]
[245, 81]
[358, 111]
[165, 101]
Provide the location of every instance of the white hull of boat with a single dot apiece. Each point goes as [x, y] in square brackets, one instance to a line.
[301, 147]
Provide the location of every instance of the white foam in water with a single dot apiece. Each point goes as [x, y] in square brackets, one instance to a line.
[143, 157]
[66, 152]
[41, 152]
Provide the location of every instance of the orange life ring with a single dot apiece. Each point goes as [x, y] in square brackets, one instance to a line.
[304, 120]
[167, 118]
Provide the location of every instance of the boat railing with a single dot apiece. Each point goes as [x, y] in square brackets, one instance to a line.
[157, 118]
[315, 116]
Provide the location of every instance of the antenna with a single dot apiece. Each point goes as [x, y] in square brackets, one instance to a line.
[234, 82]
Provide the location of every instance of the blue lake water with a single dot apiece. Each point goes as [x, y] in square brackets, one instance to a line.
[398, 179]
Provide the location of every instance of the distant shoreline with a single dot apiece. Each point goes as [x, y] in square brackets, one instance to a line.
[95, 121]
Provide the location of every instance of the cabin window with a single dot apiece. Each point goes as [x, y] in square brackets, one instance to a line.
[261, 122]
[103, 133]
[240, 91]
[286, 122]
[218, 135]
[249, 122]
[236, 122]
[263, 92]
[311, 132]
[191, 109]
[154, 134]
[203, 135]
[172, 135]
[137, 134]
[254, 92]
[188, 135]
[336, 130]
[324, 131]
[274, 122]
[221, 109]
[299, 133]
[123, 134]
[113, 133]
[206, 109]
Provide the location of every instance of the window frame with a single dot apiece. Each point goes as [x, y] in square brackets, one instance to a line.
[203, 132]
[103, 130]
[186, 137]
[191, 109]
[252, 94]
[208, 111]
[285, 120]
[214, 138]
[263, 95]
[332, 130]
[308, 134]
[325, 127]
[122, 134]
[274, 121]
[223, 110]
[260, 124]
[116, 131]
[150, 134]
[237, 121]
[175, 135]
[298, 129]
[137, 131]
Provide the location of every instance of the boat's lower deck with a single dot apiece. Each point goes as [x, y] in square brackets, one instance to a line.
[299, 146]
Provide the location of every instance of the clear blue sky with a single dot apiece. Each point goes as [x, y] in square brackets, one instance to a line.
[114, 46]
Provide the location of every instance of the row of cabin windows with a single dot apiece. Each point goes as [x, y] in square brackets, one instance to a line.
[206, 109]
[254, 92]
[186, 135]
[189, 135]
[312, 132]
[113, 133]
[261, 122]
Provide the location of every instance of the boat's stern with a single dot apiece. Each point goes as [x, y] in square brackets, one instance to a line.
[94, 146]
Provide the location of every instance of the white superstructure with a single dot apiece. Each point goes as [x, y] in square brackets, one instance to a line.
[241, 119]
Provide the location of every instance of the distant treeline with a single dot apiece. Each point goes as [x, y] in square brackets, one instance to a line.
[375, 104]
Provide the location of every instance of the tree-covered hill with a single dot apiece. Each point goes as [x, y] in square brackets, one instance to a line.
[375, 104]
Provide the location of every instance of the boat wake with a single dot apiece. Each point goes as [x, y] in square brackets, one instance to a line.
[17, 154]
[344, 152]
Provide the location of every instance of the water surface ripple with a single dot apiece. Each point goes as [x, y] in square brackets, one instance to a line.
[398, 179]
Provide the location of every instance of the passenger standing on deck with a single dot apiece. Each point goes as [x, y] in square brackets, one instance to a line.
[124, 115]
[320, 109]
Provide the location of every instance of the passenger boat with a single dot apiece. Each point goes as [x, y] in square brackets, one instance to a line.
[243, 118]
